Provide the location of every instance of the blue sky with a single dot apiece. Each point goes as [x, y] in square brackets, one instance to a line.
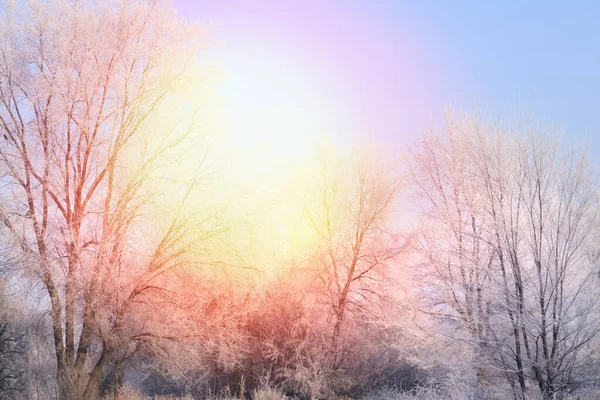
[542, 58]
[392, 66]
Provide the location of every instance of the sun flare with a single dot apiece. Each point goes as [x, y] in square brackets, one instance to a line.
[275, 108]
[275, 117]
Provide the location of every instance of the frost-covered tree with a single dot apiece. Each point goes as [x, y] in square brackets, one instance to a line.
[352, 216]
[95, 194]
[512, 219]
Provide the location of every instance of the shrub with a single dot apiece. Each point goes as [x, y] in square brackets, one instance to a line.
[127, 392]
[268, 393]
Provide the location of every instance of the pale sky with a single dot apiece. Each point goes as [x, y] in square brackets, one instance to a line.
[387, 69]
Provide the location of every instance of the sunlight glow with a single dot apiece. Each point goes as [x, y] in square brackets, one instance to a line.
[275, 114]
[274, 107]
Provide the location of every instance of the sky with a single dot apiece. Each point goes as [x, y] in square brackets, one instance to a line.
[387, 69]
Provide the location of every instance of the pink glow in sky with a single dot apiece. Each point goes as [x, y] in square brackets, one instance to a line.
[373, 71]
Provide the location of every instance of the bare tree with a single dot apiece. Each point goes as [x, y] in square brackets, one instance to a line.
[454, 241]
[546, 218]
[528, 212]
[87, 155]
[358, 245]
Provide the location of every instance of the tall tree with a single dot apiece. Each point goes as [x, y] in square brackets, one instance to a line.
[357, 243]
[514, 218]
[91, 128]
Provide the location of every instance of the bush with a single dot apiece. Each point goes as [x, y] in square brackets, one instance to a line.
[127, 392]
[268, 394]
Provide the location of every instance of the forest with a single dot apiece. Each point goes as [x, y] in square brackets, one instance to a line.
[134, 266]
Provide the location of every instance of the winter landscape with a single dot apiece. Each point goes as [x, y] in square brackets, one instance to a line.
[270, 200]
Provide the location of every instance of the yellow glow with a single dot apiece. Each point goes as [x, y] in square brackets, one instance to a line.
[275, 114]
[262, 125]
